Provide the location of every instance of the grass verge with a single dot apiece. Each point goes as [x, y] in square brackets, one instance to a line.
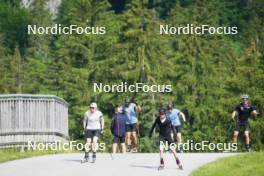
[240, 165]
[13, 154]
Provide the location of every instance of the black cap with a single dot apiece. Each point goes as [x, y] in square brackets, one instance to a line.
[162, 111]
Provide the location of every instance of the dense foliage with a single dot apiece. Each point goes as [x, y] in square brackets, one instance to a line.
[208, 72]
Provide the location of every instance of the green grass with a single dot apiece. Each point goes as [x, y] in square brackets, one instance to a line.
[248, 164]
[13, 154]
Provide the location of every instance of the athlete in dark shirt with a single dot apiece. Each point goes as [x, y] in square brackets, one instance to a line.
[165, 132]
[240, 116]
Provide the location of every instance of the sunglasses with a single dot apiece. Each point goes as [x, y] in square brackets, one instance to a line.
[92, 107]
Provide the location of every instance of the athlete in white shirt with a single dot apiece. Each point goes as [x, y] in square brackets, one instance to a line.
[93, 124]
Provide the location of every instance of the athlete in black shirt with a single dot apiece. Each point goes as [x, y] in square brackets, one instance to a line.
[240, 116]
[165, 131]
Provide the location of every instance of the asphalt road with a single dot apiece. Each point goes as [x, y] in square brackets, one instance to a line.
[118, 165]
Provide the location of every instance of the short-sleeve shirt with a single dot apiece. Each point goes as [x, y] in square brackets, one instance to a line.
[174, 117]
[244, 112]
[92, 120]
[130, 113]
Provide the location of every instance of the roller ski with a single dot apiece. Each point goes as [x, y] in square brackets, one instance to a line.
[85, 160]
[161, 167]
[134, 150]
[179, 163]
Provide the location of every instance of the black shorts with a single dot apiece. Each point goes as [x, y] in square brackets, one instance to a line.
[119, 139]
[165, 139]
[178, 129]
[131, 127]
[92, 133]
[243, 126]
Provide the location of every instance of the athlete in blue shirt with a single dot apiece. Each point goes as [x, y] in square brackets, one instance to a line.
[174, 115]
[131, 109]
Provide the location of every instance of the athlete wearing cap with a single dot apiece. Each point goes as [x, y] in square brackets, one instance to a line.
[118, 129]
[240, 116]
[93, 124]
[174, 115]
[165, 130]
[131, 109]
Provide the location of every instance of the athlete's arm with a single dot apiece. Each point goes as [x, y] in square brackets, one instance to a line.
[174, 132]
[138, 108]
[102, 122]
[234, 114]
[254, 113]
[112, 125]
[84, 121]
[182, 116]
[152, 128]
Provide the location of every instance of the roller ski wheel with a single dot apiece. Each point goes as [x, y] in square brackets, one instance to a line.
[161, 167]
[180, 167]
[84, 161]
[134, 150]
[93, 161]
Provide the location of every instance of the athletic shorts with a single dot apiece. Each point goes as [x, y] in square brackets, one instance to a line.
[243, 126]
[165, 139]
[119, 139]
[178, 129]
[92, 133]
[131, 127]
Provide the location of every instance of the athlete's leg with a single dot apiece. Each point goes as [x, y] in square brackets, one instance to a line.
[246, 134]
[115, 144]
[123, 145]
[114, 147]
[87, 145]
[87, 148]
[176, 158]
[235, 136]
[179, 139]
[134, 134]
[94, 147]
[161, 155]
[247, 140]
[128, 139]
[95, 144]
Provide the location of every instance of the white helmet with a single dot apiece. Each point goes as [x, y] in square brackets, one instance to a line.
[93, 105]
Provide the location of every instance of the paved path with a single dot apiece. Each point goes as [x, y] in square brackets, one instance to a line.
[120, 165]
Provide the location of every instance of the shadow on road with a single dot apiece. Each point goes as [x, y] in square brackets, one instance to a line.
[144, 166]
[73, 160]
[151, 167]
